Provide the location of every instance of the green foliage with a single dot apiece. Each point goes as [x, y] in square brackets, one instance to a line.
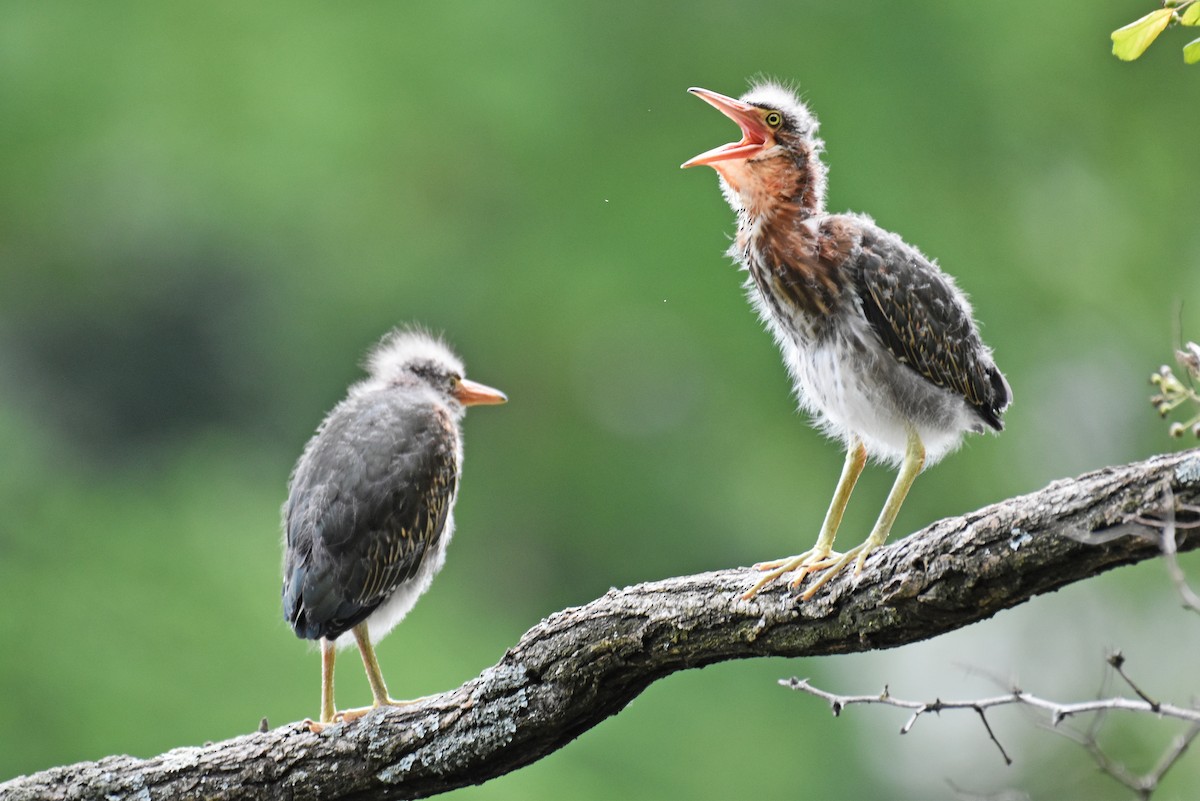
[1130, 41]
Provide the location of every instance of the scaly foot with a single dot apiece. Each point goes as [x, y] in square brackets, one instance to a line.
[833, 567]
[829, 564]
[348, 715]
[805, 563]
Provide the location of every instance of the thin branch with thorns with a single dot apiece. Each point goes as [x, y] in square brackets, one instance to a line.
[1143, 785]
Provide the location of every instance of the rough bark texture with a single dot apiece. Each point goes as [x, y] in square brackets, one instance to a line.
[581, 665]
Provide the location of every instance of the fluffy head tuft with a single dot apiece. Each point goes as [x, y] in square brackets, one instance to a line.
[781, 97]
[402, 349]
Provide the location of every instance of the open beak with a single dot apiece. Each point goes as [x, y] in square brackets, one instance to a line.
[470, 393]
[755, 135]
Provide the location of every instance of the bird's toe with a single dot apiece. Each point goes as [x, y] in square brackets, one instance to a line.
[830, 568]
[867, 548]
[802, 564]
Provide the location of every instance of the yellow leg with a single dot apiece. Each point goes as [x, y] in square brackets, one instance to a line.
[379, 691]
[374, 674]
[914, 461]
[328, 652]
[814, 558]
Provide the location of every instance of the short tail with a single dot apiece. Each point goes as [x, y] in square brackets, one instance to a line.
[1001, 399]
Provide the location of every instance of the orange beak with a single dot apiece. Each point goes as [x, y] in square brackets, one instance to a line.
[755, 135]
[470, 393]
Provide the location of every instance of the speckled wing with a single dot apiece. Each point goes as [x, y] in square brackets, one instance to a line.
[925, 323]
[368, 502]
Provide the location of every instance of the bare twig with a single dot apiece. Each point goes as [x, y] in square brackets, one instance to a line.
[1179, 747]
[1143, 785]
[1116, 660]
[1169, 526]
[1058, 711]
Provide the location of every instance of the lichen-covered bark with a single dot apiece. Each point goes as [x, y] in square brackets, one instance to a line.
[581, 665]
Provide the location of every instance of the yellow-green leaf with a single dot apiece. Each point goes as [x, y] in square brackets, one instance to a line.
[1191, 15]
[1132, 40]
[1191, 52]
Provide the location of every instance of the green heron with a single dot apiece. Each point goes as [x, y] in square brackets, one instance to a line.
[881, 345]
[370, 503]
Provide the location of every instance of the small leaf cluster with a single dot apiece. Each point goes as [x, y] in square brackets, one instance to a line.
[1131, 41]
[1174, 392]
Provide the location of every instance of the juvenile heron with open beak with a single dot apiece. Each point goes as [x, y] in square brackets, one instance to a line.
[370, 504]
[881, 345]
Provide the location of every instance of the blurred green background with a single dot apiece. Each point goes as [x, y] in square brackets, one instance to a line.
[208, 212]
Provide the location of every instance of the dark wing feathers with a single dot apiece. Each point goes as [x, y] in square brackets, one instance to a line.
[918, 316]
[369, 500]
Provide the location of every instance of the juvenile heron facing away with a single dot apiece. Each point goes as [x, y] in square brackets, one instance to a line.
[880, 343]
[370, 504]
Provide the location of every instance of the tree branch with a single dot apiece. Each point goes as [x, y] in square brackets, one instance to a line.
[583, 664]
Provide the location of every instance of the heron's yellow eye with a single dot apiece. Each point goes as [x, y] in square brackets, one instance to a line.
[773, 119]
